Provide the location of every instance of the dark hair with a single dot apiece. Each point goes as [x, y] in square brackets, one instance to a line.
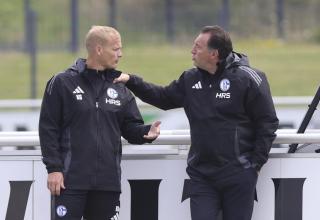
[219, 39]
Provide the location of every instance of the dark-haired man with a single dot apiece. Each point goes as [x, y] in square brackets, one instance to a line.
[232, 124]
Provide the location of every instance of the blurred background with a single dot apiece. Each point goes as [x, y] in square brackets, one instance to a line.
[41, 38]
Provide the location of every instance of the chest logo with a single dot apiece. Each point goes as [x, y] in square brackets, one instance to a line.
[197, 85]
[78, 92]
[224, 85]
[112, 93]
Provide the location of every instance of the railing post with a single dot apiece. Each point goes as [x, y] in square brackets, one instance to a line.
[306, 119]
[169, 15]
[74, 33]
[225, 15]
[280, 18]
[31, 48]
[113, 13]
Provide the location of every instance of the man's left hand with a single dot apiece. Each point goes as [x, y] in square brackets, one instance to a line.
[154, 131]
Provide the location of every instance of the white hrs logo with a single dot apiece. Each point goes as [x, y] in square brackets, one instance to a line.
[113, 94]
[224, 86]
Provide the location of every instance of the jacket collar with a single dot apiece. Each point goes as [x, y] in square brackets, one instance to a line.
[81, 67]
[235, 59]
[232, 60]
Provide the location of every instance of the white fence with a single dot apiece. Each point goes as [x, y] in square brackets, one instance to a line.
[36, 103]
[179, 138]
[285, 181]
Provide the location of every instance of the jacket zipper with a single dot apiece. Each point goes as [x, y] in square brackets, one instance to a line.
[98, 94]
[97, 149]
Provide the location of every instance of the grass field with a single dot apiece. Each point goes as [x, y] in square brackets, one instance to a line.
[292, 69]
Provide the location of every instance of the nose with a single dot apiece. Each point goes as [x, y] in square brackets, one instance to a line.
[120, 53]
[193, 51]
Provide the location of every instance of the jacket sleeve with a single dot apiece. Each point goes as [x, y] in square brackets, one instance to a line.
[132, 127]
[168, 97]
[50, 124]
[260, 108]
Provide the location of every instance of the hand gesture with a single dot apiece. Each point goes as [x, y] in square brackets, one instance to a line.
[154, 131]
[123, 78]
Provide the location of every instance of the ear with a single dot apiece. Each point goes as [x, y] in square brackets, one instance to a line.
[215, 54]
[98, 49]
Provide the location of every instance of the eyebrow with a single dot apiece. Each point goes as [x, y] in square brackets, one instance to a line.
[197, 44]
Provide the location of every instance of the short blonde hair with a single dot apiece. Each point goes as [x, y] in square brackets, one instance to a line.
[99, 35]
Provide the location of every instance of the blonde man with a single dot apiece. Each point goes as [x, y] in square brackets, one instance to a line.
[83, 117]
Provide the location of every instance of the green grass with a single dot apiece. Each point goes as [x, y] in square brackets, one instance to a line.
[292, 69]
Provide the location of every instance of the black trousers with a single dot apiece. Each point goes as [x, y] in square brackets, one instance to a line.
[89, 204]
[232, 195]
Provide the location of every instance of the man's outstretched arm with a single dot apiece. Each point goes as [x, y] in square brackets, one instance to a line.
[167, 97]
[133, 128]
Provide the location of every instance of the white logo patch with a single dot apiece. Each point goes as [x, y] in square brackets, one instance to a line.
[61, 210]
[78, 92]
[223, 95]
[224, 85]
[116, 216]
[79, 97]
[197, 85]
[112, 93]
[113, 102]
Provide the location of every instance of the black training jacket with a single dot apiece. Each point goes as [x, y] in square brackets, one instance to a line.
[231, 114]
[81, 125]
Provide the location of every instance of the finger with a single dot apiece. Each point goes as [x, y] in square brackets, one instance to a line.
[156, 123]
[149, 137]
[155, 128]
[62, 185]
[52, 189]
[57, 189]
[49, 185]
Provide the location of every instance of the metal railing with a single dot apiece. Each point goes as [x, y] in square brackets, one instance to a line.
[167, 137]
[36, 103]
